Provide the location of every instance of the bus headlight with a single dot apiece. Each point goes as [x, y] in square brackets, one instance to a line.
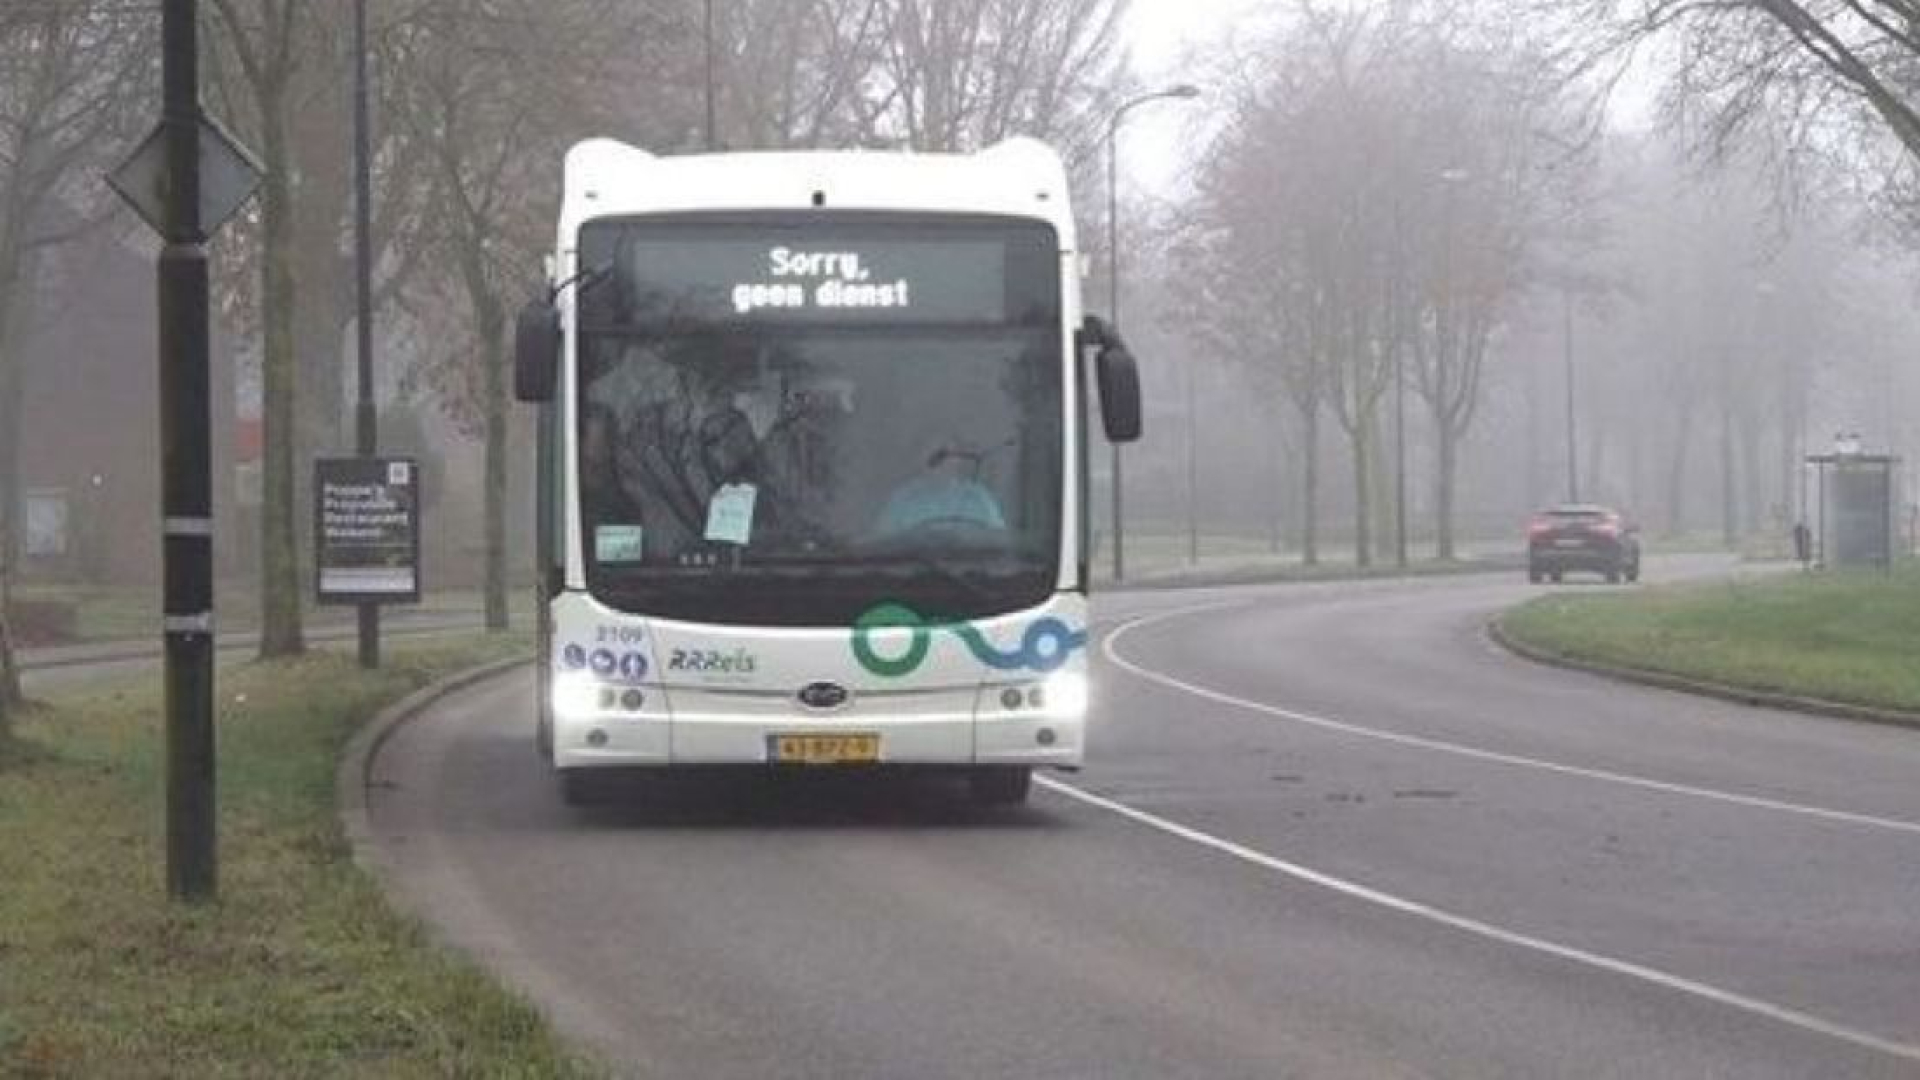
[575, 693]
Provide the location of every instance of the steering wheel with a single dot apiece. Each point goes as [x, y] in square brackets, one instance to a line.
[950, 522]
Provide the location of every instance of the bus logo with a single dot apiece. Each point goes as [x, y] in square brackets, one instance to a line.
[823, 695]
[1043, 648]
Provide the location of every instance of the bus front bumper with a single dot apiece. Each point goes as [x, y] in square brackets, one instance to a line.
[1034, 724]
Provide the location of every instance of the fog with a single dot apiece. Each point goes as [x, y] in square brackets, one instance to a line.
[1402, 267]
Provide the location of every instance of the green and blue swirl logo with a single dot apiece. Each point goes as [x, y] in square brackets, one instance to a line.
[1044, 647]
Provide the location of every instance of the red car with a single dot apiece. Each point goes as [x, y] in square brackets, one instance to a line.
[1582, 537]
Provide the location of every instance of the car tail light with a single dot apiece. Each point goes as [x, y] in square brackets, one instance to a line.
[1539, 527]
[1608, 528]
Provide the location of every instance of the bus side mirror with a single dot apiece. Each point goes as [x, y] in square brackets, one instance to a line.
[1119, 378]
[536, 351]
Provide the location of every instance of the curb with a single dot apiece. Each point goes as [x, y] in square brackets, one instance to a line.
[1230, 578]
[1739, 695]
[352, 775]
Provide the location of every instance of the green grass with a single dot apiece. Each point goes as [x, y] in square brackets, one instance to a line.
[299, 969]
[1847, 637]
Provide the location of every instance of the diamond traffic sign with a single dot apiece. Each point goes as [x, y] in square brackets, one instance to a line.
[228, 177]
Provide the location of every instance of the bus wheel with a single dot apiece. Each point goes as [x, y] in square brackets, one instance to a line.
[1000, 785]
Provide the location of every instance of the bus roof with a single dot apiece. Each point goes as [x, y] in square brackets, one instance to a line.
[1020, 177]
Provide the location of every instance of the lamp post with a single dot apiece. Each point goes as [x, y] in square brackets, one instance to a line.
[1193, 471]
[365, 418]
[1182, 91]
[1399, 458]
[1573, 442]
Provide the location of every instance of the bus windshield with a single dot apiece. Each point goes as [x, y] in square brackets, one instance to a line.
[786, 424]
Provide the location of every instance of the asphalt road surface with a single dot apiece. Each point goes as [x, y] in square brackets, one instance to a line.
[1325, 830]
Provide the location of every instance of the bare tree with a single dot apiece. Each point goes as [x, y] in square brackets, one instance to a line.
[796, 74]
[68, 71]
[1489, 170]
[1784, 63]
[1301, 207]
[965, 74]
[262, 47]
[481, 103]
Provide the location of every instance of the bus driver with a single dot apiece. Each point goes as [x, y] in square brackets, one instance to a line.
[945, 493]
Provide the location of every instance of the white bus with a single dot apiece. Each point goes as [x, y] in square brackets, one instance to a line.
[814, 464]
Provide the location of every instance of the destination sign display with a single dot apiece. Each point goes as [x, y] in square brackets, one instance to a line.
[730, 274]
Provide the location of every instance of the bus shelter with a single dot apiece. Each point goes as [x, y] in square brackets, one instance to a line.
[1854, 494]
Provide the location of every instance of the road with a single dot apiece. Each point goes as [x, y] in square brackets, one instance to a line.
[1325, 830]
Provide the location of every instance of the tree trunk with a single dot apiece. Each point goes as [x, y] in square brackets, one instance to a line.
[1677, 477]
[1534, 467]
[280, 629]
[1380, 480]
[1637, 485]
[1751, 475]
[1361, 441]
[11, 695]
[1729, 495]
[493, 345]
[12, 361]
[1791, 466]
[1283, 490]
[1446, 453]
[1310, 486]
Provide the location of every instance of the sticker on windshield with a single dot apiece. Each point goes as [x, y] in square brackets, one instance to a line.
[619, 543]
[730, 514]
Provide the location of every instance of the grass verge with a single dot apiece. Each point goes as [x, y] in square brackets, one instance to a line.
[300, 968]
[1842, 637]
[102, 614]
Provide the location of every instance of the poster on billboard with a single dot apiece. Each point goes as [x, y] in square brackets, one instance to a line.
[47, 519]
[367, 530]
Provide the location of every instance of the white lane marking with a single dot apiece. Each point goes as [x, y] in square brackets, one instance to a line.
[1488, 931]
[1108, 647]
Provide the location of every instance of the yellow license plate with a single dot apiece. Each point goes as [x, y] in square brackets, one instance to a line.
[812, 748]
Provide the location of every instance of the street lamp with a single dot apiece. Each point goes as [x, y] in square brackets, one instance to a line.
[1573, 441]
[366, 430]
[1184, 91]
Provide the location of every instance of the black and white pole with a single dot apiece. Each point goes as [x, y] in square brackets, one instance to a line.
[186, 470]
[365, 418]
